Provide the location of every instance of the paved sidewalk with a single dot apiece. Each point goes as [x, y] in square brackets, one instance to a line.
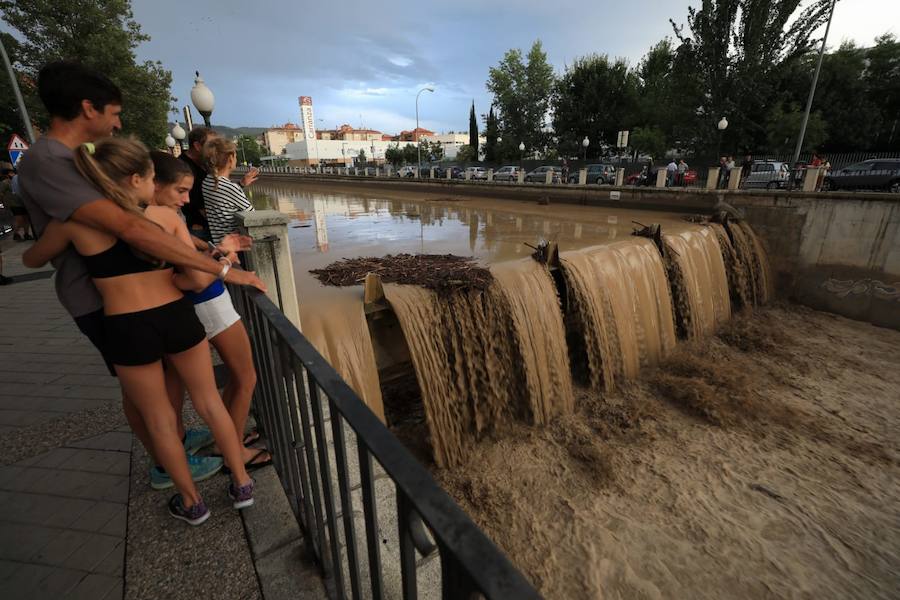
[66, 456]
[79, 517]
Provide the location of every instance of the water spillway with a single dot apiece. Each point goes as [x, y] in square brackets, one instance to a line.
[484, 357]
[619, 301]
[613, 305]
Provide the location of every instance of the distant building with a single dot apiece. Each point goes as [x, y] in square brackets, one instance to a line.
[347, 133]
[277, 138]
[411, 136]
[452, 141]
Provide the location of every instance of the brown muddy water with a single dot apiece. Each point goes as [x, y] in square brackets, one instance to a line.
[614, 424]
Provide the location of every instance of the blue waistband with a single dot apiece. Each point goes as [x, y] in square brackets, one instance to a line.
[215, 289]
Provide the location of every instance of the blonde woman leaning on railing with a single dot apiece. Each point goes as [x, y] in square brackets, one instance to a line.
[221, 196]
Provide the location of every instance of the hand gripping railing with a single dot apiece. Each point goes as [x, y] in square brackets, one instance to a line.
[303, 404]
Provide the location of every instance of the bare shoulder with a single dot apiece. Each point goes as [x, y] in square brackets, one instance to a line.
[163, 216]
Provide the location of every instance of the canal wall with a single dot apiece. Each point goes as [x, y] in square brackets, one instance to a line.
[838, 252]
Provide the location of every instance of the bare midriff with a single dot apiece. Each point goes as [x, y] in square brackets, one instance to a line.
[137, 291]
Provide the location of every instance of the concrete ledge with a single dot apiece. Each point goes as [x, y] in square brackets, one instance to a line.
[276, 544]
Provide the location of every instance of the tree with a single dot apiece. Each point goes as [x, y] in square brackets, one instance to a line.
[473, 129]
[410, 154]
[521, 93]
[648, 140]
[594, 98]
[361, 157]
[490, 133]
[882, 77]
[431, 151]
[101, 34]
[466, 153]
[737, 48]
[249, 150]
[394, 155]
[783, 127]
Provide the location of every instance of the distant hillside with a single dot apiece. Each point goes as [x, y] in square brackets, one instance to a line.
[231, 132]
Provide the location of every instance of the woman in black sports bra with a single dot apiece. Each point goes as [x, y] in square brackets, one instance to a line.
[146, 317]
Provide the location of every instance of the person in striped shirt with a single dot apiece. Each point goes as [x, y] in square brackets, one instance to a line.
[221, 196]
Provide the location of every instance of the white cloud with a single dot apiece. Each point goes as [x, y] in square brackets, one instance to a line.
[400, 61]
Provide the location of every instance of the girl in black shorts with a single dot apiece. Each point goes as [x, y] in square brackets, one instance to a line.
[146, 318]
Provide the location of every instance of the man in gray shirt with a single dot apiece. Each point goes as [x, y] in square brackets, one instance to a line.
[85, 105]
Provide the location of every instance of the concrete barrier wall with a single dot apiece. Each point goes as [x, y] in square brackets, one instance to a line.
[834, 251]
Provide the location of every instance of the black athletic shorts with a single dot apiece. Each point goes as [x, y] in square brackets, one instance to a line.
[91, 325]
[144, 337]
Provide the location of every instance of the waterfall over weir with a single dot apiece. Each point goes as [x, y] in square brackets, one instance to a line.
[620, 310]
[482, 358]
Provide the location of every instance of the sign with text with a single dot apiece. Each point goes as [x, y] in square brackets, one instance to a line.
[16, 147]
[307, 118]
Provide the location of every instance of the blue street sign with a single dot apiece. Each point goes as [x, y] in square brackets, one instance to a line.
[14, 156]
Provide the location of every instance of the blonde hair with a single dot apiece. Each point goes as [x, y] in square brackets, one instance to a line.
[110, 162]
[216, 152]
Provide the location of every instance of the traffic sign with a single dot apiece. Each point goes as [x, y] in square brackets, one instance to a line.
[17, 147]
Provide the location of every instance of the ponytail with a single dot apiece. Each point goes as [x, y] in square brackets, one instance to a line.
[216, 152]
[109, 162]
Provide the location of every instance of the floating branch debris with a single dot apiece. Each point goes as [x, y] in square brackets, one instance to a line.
[439, 272]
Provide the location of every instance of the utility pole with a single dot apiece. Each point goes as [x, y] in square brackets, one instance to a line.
[15, 86]
[812, 89]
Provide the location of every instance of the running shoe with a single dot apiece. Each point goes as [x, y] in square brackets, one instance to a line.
[194, 515]
[196, 439]
[241, 496]
[202, 467]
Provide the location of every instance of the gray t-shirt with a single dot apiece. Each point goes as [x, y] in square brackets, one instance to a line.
[52, 188]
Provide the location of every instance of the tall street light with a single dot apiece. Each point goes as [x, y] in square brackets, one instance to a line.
[203, 98]
[812, 88]
[14, 83]
[179, 134]
[416, 136]
[721, 125]
[522, 155]
[584, 144]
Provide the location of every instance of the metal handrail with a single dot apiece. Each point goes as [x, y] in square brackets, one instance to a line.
[292, 374]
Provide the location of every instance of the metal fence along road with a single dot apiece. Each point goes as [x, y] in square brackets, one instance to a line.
[333, 455]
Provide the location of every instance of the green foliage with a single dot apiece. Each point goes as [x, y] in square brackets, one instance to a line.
[466, 153]
[490, 133]
[431, 151]
[595, 97]
[394, 155]
[737, 49]
[473, 129]
[249, 150]
[784, 127]
[648, 140]
[522, 91]
[361, 157]
[101, 34]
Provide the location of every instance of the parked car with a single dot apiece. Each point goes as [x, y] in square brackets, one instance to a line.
[598, 174]
[539, 175]
[771, 175]
[476, 173]
[873, 174]
[407, 171]
[508, 173]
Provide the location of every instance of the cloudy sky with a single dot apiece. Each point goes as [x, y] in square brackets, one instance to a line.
[362, 62]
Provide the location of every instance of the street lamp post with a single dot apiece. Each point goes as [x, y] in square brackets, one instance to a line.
[721, 125]
[203, 98]
[584, 144]
[522, 155]
[14, 83]
[416, 135]
[170, 143]
[812, 88]
[179, 134]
